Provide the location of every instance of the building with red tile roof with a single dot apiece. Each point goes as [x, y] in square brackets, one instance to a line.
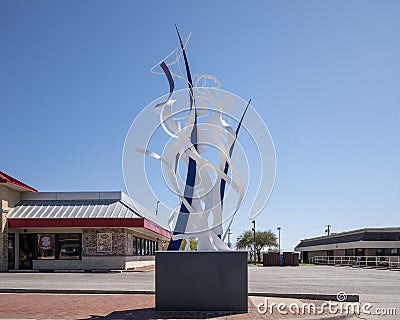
[73, 230]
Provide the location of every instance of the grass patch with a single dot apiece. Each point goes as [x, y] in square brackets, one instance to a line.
[255, 265]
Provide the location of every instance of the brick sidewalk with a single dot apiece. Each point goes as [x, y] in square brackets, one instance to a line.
[73, 306]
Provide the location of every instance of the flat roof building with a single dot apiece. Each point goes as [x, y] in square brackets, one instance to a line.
[73, 230]
[352, 247]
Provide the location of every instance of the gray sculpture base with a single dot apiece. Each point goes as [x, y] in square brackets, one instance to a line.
[201, 281]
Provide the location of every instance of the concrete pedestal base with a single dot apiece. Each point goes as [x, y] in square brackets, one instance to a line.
[201, 281]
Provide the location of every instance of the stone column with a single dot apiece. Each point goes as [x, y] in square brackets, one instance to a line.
[159, 245]
[3, 242]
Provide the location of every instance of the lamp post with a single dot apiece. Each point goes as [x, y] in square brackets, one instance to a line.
[158, 202]
[254, 231]
[279, 239]
[328, 229]
[229, 238]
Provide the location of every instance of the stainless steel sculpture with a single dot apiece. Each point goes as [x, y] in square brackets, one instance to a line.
[202, 123]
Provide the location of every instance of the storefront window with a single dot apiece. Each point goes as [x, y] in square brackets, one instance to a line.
[46, 247]
[69, 246]
[134, 246]
[383, 252]
[360, 252]
[143, 247]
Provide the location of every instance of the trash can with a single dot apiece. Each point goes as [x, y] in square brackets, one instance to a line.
[271, 259]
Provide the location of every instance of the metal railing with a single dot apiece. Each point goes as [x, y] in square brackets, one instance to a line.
[359, 261]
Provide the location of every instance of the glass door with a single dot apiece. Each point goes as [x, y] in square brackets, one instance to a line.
[26, 250]
[11, 251]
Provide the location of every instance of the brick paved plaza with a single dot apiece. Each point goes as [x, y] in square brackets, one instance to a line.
[75, 306]
[379, 287]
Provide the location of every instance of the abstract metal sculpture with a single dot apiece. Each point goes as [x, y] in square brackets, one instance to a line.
[198, 121]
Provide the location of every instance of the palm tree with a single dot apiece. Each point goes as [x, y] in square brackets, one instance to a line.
[263, 239]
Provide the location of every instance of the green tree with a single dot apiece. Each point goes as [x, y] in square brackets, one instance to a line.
[263, 239]
[193, 244]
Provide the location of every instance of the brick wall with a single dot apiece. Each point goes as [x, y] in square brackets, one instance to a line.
[120, 245]
[8, 199]
[316, 253]
[110, 262]
[339, 252]
[370, 252]
[3, 242]
[122, 241]
[121, 256]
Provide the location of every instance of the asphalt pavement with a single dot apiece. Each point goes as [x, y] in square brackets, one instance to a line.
[378, 287]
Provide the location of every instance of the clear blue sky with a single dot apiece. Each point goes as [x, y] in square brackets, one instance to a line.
[325, 76]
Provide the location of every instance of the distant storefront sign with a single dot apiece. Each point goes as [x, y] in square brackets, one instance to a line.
[45, 242]
[104, 242]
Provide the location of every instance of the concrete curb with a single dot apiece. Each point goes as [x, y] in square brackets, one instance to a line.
[313, 318]
[330, 317]
[74, 291]
[306, 296]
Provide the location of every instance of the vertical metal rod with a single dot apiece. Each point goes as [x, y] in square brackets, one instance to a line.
[254, 231]
[229, 238]
[158, 201]
[328, 230]
[279, 239]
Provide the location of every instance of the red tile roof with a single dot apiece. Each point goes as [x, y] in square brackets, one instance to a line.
[6, 179]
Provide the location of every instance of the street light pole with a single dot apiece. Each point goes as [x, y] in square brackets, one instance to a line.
[279, 239]
[158, 201]
[229, 238]
[254, 231]
[328, 229]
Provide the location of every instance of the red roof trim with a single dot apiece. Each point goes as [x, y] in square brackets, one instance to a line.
[88, 223]
[5, 178]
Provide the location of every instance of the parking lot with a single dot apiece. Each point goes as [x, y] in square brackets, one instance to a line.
[379, 285]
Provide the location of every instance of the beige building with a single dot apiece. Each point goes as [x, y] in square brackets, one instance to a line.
[73, 230]
[362, 246]
[10, 195]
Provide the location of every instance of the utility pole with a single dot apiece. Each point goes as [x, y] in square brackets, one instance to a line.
[229, 238]
[328, 230]
[254, 231]
[158, 202]
[279, 239]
